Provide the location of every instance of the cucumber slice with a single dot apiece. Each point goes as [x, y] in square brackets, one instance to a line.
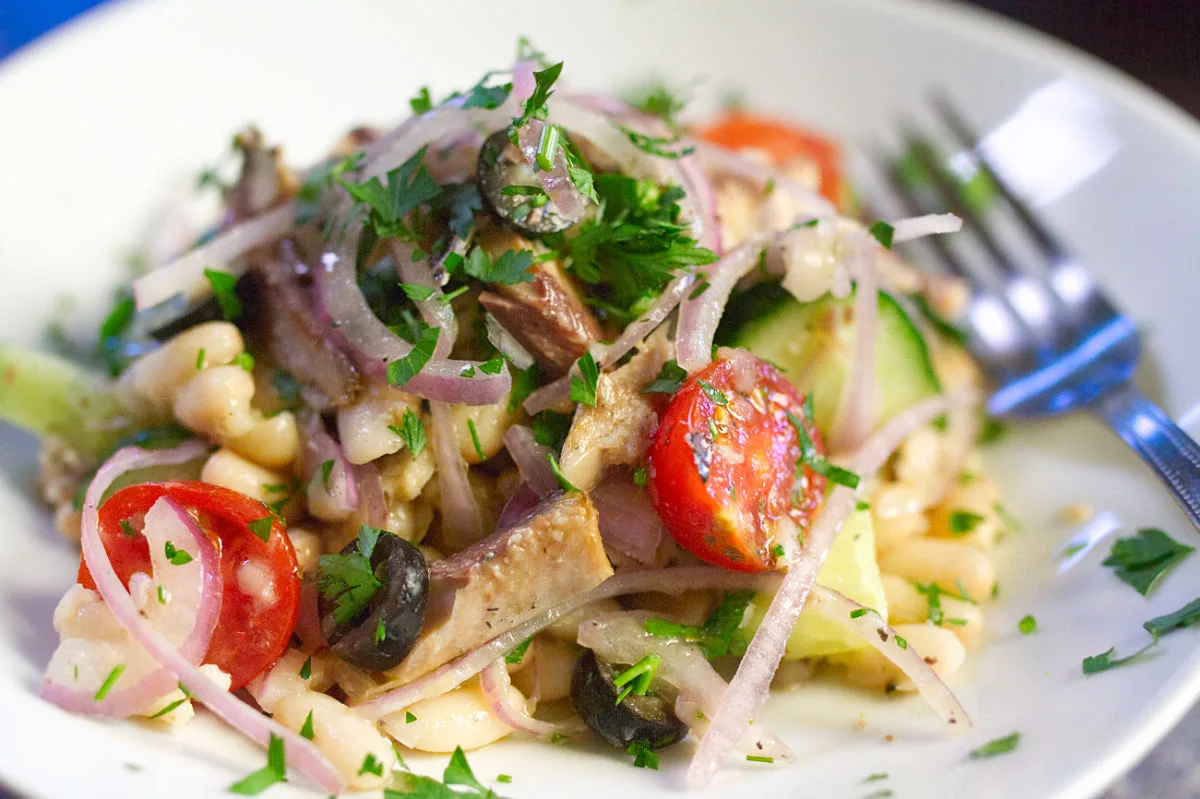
[51, 396]
[850, 569]
[813, 344]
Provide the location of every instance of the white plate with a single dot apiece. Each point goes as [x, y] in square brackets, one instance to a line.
[96, 120]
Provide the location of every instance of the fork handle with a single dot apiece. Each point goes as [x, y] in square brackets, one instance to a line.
[1169, 451]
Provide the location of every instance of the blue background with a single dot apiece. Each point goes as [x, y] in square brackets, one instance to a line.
[22, 21]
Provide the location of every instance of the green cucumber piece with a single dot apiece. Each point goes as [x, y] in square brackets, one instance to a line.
[813, 343]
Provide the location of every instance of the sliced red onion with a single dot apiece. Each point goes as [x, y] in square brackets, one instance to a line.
[628, 520]
[857, 404]
[373, 504]
[435, 311]
[462, 520]
[700, 189]
[497, 692]
[441, 379]
[444, 122]
[556, 183]
[518, 507]
[841, 609]
[185, 275]
[332, 495]
[301, 753]
[699, 317]
[550, 395]
[601, 103]
[530, 458]
[465, 666]
[916, 227]
[636, 332]
[751, 684]
[187, 619]
[523, 82]
[622, 638]
[504, 341]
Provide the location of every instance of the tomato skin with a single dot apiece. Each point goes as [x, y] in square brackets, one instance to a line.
[728, 516]
[782, 141]
[246, 641]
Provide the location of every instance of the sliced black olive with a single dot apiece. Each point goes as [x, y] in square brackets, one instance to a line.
[510, 188]
[648, 718]
[383, 634]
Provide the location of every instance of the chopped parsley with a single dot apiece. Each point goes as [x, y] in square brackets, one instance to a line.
[518, 653]
[1142, 560]
[275, 771]
[883, 233]
[640, 476]
[1027, 625]
[550, 429]
[713, 393]
[421, 102]
[933, 594]
[409, 186]
[127, 528]
[669, 380]
[177, 557]
[656, 145]
[113, 330]
[458, 772]
[348, 580]
[262, 527]
[510, 268]
[862, 505]
[306, 668]
[717, 636]
[404, 369]
[224, 288]
[475, 440]
[416, 292]
[777, 550]
[170, 706]
[503, 778]
[200, 354]
[876, 777]
[287, 387]
[411, 432]
[492, 367]
[991, 430]
[380, 631]
[637, 678]
[325, 469]
[858, 613]
[535, 106]
[583, 387]
[999, 746]
[162, 595]
[370, 766]
[1186, 616]
[1007, 519]
[811, 457]
[563, 482]
[1108, 660]
[643, 755]
[963, 522]
[658, 100]
[409, 717]
[109, 681]
[900, 642]
[244, 360]
[306, 730]
[760, 759]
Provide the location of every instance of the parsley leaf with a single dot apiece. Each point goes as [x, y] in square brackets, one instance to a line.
[422, 102]
[1027, 625]
[535, 106]
[550, 429]
[563, 482]
[883, 233]
[518, 653]
[669, 380]
[1095, 664]
[1186, 616]
[458, 772]
[655, 145]
[416, 292]
[1142, 560]
[716, 635]
[511, 267]
[813, 459]
[583, 388]
[275, 771]
[713, 393]
[262, 527]
[963, 522]
[409, 186]
[411, 431]
[371, 766]
[109, 681]
[643, 755]
[177, 557]
[306, 668]
[306, 730]
[348, 580]
[401, 370]
[658, 100]
[999, 746]
[224, 287]
[475, 440]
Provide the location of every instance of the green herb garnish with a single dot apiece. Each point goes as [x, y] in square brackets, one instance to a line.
[224, 288]
[176, 556]
[348, 580]
[1142, 560]
[404, 369]
[275, 771]
[717, 636]
[583, 387]
[262, 527]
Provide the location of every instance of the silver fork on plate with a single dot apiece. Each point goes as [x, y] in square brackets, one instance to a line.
[1050, 339]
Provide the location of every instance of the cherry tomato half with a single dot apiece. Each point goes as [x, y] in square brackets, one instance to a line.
[723, 463]
[248, 638]
[782, 141]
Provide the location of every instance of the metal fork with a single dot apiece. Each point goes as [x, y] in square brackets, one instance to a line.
[1050, 339]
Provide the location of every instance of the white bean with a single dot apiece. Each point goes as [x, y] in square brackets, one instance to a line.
[897, 514]
[458, 718]
[544, 674]
[968, 513]
[273, 442]
[216, 403]
[342, 735]
[491, 423]
[308, 548]
[964, 619]
[226, 468]
[943, 561]
[905, 604]
[150, 382]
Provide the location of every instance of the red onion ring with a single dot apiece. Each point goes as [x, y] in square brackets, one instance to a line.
[628, 520]
[370, 488]
[551, 395]
[523, 82]
[857, 404]
[332, 497]
[462, 520]
[840, 609]
[507, 343]
[530, 458]
[556, 183]
[496, 687]
[636, 332]
[700, 188]
[302, 754]
[441, 379]
[465, 666]
[197, 608]
[751, 684]
[435, 311]
[518, 506]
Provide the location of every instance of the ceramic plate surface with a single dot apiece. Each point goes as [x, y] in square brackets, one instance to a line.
[102, 118]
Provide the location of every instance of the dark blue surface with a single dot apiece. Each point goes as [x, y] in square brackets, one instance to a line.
[22, 21]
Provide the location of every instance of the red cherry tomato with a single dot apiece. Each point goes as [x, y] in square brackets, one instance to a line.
[247, 641]
[782, 141]
[723, 463]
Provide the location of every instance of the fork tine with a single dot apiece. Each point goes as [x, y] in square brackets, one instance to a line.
[954, 120]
